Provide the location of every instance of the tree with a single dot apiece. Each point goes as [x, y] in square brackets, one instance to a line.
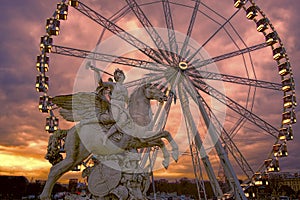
[287, 190]
[13, 187]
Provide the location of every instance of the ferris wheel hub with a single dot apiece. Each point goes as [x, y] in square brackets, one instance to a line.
[183, 65]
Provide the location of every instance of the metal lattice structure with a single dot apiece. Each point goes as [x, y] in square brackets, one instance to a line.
[176, 62]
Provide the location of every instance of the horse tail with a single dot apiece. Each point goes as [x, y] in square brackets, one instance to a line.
[55, 146]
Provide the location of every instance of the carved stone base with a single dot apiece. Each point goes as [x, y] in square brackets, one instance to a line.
[120, 179]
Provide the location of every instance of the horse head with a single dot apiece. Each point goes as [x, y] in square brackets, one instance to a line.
[152, 92]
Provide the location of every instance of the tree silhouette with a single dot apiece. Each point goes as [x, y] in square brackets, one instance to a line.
[287, 190]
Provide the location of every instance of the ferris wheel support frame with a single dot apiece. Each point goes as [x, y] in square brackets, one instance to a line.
[228, 169]
[198, 141]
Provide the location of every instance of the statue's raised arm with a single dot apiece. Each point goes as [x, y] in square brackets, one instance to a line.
[87, 106]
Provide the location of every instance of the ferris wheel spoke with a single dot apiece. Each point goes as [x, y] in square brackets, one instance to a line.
[200, 63]
[170, 26]
[121, 33]
[224, 135]
[212, 36]
[237, 108]
[159, 43]
[148, 78]
[200, 11]
[190, 28]
[114, 18]
[121, 13]
[197, 75]
[142, 64]
[237, 126]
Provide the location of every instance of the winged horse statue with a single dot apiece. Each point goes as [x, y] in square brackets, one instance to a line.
[105, 126]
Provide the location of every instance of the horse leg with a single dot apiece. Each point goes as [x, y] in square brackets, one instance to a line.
[55, 173]
[165, 152]
[175, 152]
[167, 136]
[162, 146]
[75, 154]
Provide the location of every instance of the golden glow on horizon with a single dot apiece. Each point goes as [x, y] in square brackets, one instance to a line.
[21, 162]
[24, 158]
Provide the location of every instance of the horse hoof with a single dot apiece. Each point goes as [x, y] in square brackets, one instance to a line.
[175, 155]
[165, 163]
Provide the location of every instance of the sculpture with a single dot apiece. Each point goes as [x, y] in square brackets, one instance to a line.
[96, 115]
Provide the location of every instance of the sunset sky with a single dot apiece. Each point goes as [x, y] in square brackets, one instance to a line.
[23, 140]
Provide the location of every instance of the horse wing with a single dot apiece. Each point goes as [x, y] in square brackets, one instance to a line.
[79, 106]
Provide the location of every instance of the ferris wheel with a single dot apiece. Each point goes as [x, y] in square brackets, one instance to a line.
[224, 63]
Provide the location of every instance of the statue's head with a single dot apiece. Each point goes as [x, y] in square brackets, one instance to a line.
[118, 75]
